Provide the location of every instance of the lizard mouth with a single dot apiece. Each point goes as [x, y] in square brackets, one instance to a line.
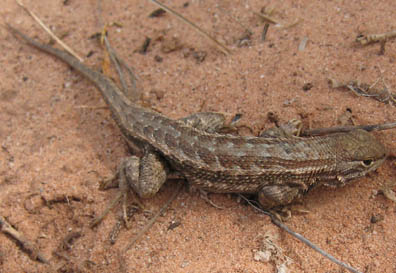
[366, 167]
[362, 169]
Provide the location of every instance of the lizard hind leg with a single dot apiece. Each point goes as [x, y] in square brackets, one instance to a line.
[144, 176]
[148, 175]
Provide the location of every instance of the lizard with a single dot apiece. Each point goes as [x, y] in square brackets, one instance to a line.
[278, 169]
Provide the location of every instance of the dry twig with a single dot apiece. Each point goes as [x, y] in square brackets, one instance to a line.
[223, 48]
[25, 244]
[154, 219]
[375, 38]
[35, 17]
[339, 129]
[366, 90]
[301, 238]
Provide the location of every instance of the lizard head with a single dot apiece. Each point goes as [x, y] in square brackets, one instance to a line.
[358, 153]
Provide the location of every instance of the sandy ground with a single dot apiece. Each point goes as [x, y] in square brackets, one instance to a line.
[58, 140]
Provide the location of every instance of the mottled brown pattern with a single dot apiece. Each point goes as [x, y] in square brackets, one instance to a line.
[278, 169]
[170, 140]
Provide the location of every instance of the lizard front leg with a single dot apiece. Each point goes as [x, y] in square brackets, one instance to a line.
[289, 129]
[210, 122]
[281, 193]
[277, 195]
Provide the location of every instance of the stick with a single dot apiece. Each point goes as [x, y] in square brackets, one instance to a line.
[338, 129]
[25, 244]
[301, 238]
[155, 217]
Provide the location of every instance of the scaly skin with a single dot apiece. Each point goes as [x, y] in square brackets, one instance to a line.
[277, 169]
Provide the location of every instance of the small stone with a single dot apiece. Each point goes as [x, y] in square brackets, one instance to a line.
[158, 59]
[262, 256]
[376, 218]
[307, 86]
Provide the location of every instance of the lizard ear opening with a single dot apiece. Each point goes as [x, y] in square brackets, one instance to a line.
[367, 162]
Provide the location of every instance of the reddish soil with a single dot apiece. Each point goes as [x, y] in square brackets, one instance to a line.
[58, 141]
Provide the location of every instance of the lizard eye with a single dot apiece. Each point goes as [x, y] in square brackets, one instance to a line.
[367, 162]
